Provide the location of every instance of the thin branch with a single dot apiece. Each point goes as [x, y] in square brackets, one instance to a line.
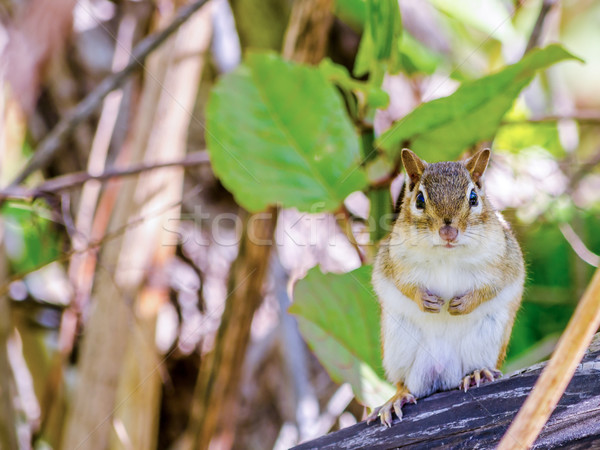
[73, 180]
[97, 243]
[52, 143]
[539, 24]
[578, 245]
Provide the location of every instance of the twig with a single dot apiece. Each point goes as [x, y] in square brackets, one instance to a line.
[539, 24]
[73, 180]
[52, 143]
[556, 375]
[578, 245]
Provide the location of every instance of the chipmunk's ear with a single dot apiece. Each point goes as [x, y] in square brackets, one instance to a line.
[413, 165]
[477, 163]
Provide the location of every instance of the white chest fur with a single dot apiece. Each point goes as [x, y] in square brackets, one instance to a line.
[430, 352]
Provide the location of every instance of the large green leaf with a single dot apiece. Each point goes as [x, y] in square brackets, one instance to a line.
[277, 132]
[338, 315]
[443, 128]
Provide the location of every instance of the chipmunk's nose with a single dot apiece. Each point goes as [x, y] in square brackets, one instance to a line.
[448, 233]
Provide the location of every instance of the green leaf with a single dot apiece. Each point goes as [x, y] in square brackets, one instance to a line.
[353, 12]
[278, 133]
[338, 315]
[416, 57]
[31, 239]
[445, 127]
[516, 137]
[374, 96]
[379, 43]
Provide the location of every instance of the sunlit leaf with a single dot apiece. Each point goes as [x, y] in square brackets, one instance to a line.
[516, 137]
[445, 127]
[277, 132]
[338, 315]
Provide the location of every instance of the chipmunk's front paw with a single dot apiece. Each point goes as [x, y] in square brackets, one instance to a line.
[478, 377]
[460, 305]
[431, 302]
[395, 404]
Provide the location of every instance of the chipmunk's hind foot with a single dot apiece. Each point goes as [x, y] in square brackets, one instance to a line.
[478, 377]
[395, 404]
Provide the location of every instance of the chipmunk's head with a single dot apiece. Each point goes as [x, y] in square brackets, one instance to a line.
[444, 203]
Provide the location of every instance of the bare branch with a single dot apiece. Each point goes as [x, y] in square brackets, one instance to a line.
[539, 24]
[52, 143]
[578, 245]
[73, 180]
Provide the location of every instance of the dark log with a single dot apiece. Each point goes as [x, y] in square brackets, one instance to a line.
[480, 417]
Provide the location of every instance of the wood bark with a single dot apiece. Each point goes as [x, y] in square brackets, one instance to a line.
[480, 417]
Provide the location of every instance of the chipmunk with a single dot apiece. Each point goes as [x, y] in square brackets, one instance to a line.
[449, 279]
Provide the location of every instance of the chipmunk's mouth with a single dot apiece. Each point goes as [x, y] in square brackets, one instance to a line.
[448, 245]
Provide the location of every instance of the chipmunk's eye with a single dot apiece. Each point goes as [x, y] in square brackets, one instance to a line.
[473, 198]
[420, 201]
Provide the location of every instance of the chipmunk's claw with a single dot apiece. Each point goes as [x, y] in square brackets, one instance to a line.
[478, 377]
[395, 404]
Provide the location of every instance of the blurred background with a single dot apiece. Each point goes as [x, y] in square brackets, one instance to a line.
[137, 309]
